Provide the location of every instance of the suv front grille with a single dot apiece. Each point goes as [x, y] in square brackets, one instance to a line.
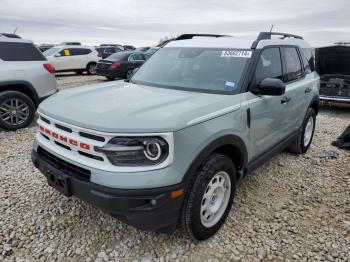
[64, 166]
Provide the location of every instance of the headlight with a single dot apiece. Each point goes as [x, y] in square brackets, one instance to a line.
[135, 151]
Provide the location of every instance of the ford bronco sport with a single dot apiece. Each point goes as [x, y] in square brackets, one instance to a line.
[167, 147]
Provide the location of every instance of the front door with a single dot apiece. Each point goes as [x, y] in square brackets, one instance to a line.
[268, 115]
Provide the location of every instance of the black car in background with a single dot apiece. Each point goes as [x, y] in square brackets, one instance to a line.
[129, 47]
[150, 52]
[120, 65]
[105, 51]
[333, 66]
[143, 49]
[70, 43]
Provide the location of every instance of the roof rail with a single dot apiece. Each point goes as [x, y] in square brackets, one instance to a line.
[10, 35]
[267, 35]
[190, 36]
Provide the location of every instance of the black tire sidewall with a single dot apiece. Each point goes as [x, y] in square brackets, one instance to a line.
[310, 113]
[128, 75]
[213, 165]
[31, 106]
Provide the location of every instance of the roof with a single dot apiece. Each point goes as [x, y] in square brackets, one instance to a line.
[75, 46]
[14, 40]
[235, 42]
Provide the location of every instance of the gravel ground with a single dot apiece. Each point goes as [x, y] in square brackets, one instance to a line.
[293, 208]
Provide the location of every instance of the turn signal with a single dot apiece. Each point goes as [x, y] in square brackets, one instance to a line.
[177, 193]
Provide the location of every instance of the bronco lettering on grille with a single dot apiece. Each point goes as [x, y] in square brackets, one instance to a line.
[62, 138]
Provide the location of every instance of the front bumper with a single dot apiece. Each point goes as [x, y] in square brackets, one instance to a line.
[146, 209]
[329, 100]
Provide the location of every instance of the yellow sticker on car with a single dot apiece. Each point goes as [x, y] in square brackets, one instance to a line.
[66, 52]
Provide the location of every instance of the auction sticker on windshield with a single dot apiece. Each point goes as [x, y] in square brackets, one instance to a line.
[236, 53]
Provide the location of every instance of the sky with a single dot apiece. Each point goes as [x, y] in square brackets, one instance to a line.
[145, 22]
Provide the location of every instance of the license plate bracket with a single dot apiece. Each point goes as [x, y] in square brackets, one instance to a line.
[59, 181]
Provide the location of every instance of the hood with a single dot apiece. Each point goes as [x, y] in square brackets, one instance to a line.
[122, 107]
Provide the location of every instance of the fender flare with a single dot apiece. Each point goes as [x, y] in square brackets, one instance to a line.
[28, 86]
[313, 100]
[231, 140]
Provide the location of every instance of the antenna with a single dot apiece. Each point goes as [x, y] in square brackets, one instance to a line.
[14, 32]
[271, 28]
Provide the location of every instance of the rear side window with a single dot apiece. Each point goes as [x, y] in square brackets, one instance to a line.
[80, 51]
[10, 51]
[309, 57]
[293, 65]
[269, 65]
[306, 64]
[138, 57]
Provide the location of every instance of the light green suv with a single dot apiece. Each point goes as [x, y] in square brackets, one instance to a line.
[167, 147]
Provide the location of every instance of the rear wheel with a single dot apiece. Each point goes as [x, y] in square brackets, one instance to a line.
[210, 199]
[17, 110]
[91, 68]
[304, 139]
[129, 73]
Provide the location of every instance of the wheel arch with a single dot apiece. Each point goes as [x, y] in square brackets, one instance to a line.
[231, 146]
[22, 87]
[315, 104]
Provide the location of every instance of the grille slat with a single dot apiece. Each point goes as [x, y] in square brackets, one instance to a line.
[93, 137]
[73, 170]
[67, 129]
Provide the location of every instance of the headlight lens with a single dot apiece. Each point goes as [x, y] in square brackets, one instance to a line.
[135, 151]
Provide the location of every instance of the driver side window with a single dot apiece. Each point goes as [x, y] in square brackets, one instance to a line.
[269, 65]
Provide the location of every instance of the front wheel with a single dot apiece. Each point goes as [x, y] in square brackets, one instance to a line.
[91, 68]
[17, 110]
[303, 141]
[210, 199]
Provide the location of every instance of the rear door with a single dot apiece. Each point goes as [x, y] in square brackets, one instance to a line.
[80, 57]
[268, 114]
[298, 87]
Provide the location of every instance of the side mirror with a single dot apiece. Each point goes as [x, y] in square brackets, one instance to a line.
[270, 87]
[57, 55]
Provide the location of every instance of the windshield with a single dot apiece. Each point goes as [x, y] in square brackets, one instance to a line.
[51, 51]
[195, 69]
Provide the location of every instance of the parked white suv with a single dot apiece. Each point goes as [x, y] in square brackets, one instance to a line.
[73, 58]
[26, 78]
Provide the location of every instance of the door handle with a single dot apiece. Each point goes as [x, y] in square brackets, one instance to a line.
[285, 99]
[308, 90]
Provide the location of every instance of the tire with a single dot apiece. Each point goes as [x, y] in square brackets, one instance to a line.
[17, 110]
[79, 72]
[196, 204]
[91, 68]
[129, 74]
[302, 143]
[110, 78]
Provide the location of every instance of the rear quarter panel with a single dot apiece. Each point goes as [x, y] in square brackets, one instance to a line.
[31, 72]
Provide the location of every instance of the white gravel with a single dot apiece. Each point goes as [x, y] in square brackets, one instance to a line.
[294, 208]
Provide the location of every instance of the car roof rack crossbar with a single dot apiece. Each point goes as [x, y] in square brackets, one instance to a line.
[190, 36]
[268, 35]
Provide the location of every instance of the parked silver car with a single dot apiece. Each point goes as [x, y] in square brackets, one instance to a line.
[26, 78]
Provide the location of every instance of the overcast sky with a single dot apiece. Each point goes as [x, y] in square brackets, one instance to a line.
[144, 22]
